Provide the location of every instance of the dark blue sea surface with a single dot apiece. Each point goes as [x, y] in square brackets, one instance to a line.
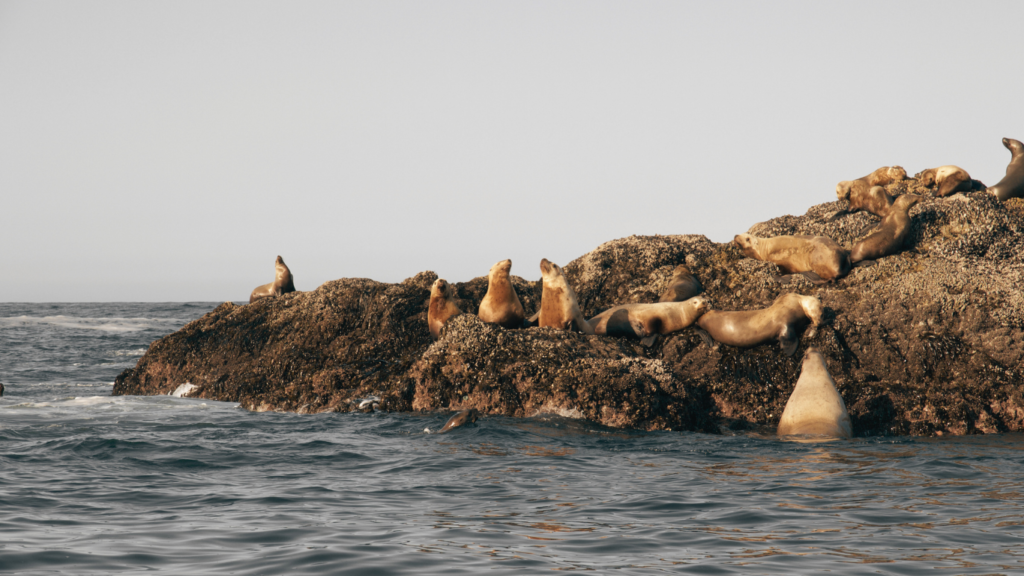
[95, 484]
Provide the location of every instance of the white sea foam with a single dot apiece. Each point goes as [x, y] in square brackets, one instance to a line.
[184, 390]
[115, 325]
[135, 352]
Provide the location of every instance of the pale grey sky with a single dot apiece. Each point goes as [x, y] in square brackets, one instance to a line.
[169, 151]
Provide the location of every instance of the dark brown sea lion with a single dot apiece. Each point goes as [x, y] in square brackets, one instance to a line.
[558, 305]
[647, 320]
[815, 406]
[683, 286]
[441, 307]
[781, 321]
[818, 258]
[1, 389]
[887, 238]
[949, 179]
[501, 304]
[864, 198]
[282, 283]
[1012, 185]
[460, 419]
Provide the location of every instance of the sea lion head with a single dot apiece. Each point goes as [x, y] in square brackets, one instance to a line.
[812, 309]
[439, 289]
[926, 177]
[843, 190]
[747, 244]
[906, 201]
[681, 270]
[701, 303]
[897, 173]
[502, 267]
[1014, 146]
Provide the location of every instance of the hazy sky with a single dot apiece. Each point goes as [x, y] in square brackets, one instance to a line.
[169, 151]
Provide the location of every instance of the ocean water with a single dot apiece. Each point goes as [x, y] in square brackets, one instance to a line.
[95, 484]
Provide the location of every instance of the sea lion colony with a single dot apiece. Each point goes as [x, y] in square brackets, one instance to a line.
[818, 258]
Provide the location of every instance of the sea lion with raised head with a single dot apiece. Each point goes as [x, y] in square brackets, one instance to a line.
[1012, 185]
[949, 179]
[441, 308]
[863, 198]
[501, 304]
[558, 305]
[683, 286]
[818, 258]
[815, 406]
[282, 283]
[781, 321]
[460, 419]
[888, 237]
[647, 320]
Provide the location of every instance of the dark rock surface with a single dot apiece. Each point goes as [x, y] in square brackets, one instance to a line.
[929, 341]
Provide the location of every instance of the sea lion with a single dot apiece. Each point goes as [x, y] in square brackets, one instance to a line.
[781, 321]
[1012, 185]
[815, 406]
[864, 198]
[501, 304]
[818, 258]
[282, 283]
[460, 419]
[683, 286]
[949, 179]
[441, 307]
[1, 389]
[558, 306]
[853, 190]
[647, 320]
[887, 238]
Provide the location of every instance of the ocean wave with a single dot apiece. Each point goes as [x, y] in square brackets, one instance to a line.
[115, 325]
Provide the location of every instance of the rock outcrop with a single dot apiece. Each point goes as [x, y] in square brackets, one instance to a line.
[928, 341]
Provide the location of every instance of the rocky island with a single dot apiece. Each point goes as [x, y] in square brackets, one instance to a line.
[926, 342]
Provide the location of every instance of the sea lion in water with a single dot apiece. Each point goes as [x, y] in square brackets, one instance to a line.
[818, 258]
[282, 283]
[441, 307]
[949, 179]
[683, 286]
[861, 197]
[558, 306]
[1012, 185]
[501, 304]
[815, 406]
[781, 321]
[647, 320]
[887, 238]
[460, 419]
[1, 389]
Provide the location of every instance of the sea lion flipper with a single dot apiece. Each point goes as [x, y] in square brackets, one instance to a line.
[814, 278]
[783, 279]
[705, 336]
[650, 340]
[532, 320]
[865, 263]
[788, 341]
[838, 214]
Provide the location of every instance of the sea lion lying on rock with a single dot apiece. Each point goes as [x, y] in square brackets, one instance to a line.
[558, 305]
[282, 283]
[949, 179]
[647, 320]
[441, 308]
[501, 304]
[815, 406]
[781, 321]
[1012, 185]
[887, 238]
[864, 198]
[460, 419]
[858, 192]
[818, 258]
[683, 286]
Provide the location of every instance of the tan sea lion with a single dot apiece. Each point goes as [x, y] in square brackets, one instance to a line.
[683, 286]
[282, 283]
[815, 406]
[441, 307]
[950, 180]
[558, 306]
[781, 321]
[854, 190]
[864, 198]
[647, 320]
[1012, 185]
[501, 304]
[818, 258]
[887, 238]
[460, 419]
